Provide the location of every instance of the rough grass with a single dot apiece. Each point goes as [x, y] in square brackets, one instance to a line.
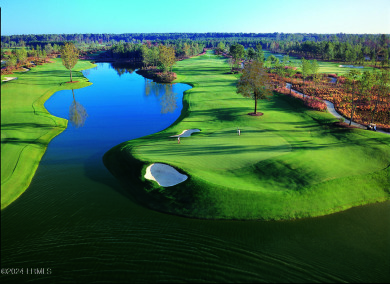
[290, 163]
[26, 126]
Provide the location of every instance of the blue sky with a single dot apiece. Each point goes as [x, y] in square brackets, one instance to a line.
[146, 16]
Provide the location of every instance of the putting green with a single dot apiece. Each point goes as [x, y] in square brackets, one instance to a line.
[221, 150]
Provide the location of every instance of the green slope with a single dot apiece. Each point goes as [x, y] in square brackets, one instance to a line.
[290, 163]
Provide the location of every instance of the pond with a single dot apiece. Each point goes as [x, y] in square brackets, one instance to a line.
[75, 222]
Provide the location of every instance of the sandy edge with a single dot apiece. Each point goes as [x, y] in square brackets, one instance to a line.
[6, 79]
[164, 175]
[186, 133]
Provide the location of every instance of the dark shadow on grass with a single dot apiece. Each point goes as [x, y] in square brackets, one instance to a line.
[17, 141]
[10, 126]
[222, 114]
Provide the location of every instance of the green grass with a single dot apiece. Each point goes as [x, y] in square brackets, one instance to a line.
[290, 163]
[26, 126]
[324, 67]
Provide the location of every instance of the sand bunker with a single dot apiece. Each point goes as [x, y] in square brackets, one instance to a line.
[164, 175]
[9, 79]
[350, 66]
[186, 133]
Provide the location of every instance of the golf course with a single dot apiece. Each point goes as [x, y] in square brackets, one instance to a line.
[83, 224]
[292, 162]
[26, 126]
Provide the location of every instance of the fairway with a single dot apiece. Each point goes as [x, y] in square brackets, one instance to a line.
[292, 162]
[26, 126]
[324, 66]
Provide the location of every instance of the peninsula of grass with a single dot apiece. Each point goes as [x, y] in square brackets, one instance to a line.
[26, 126]
[292, 162]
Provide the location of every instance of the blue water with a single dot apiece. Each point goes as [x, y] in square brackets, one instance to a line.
[116, 108]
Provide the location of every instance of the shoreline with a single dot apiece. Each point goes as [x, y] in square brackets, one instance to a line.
[23, 163]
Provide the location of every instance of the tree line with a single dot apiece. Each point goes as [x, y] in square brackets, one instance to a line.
[210, 40]
[148, 52]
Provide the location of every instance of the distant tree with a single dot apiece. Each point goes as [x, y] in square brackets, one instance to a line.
[146, 58]
[48, 49]
[167, 57]
[350, 55]
[306, 69]
[373, 57]
[221, 47]
[290, 72]
[38, 53]
[11, 61]
[382, 87]
[237, 51]
[69, 56]
[186, 49]
[251, 53]
[44, 55]
[271, 61]
[56, 47]
[254, 82]
[21, 55]
[360, 56]
[280, 69]
[259, 53]
[382, 40]
[385, 57]
[154, 55]
[351, 86]
[314, 70]
[32, 53]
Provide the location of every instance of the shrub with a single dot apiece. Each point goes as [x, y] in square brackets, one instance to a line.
[165, 77]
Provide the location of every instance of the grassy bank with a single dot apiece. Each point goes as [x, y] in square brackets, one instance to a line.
[26, 126]
[290, 163]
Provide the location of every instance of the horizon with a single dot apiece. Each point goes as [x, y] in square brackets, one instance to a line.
[223, 16]
[204, 33]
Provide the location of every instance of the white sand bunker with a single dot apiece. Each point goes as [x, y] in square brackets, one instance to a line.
[9, 79]
[164, 175]
[350, 66]
[186, 133]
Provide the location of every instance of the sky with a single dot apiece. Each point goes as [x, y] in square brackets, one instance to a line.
[159, 16]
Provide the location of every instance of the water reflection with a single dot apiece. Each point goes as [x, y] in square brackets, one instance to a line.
[165, 94]
[77, 113]
[123, 67]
